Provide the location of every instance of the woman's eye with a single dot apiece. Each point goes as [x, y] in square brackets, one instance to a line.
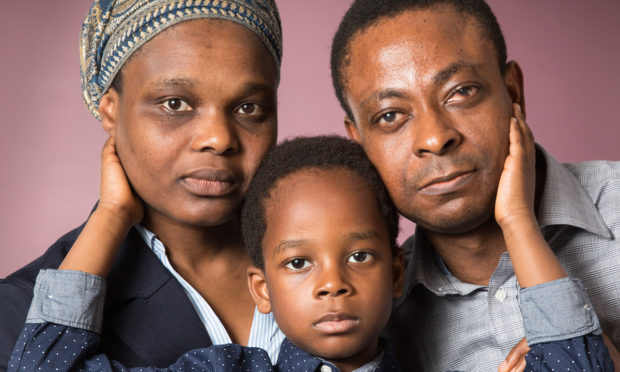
[248, 109]
[176, 105]
[297, 264]
[360, 257]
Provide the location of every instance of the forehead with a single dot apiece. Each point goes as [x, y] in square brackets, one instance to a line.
[417, 42]
[214, 44]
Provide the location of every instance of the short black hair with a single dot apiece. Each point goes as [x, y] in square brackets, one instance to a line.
[302, 153]
[364, 13]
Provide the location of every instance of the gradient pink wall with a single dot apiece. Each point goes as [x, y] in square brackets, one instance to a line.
[50, 145]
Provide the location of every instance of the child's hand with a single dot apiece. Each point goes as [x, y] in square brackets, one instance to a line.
[116, 195]
[515, 194]
[515, 361]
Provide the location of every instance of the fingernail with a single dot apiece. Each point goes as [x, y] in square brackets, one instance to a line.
[519, 108]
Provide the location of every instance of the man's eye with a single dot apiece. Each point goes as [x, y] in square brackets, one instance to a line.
[462, 93]
[297, 264]
[176, 105]
[360, 257]
[391, 119]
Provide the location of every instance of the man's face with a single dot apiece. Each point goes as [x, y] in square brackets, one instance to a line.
[431, 109]
[195, 116]
[330, 276]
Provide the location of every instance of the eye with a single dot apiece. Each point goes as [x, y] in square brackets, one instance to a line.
[248, 108]
[462, 94]
[360, 256]
[297, 264]
[391, 119]
[176, 105]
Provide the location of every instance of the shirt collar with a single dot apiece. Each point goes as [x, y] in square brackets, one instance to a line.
[563, 202]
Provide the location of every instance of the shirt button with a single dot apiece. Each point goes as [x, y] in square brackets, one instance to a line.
[501, 295]
[325, 368]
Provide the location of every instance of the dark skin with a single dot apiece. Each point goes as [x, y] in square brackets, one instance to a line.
[195, 114]
[432, 112]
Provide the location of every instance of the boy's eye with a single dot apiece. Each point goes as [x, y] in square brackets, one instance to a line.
[176, 105]
[359, 257]
[297, 264]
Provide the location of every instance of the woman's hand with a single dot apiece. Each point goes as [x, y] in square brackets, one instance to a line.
[116, 195]
[515, 193]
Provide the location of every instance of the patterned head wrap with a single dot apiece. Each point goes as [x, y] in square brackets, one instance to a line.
[114, 29]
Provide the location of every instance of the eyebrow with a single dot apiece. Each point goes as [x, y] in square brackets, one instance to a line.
[439, 78]
[174, 83]
[451, 70]
[363, 235]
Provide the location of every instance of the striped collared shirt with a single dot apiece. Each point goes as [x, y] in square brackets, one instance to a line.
[444, 324]
[264, 333]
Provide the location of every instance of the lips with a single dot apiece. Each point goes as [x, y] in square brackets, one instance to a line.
[210, 182]
[335, 323]
[446, 183]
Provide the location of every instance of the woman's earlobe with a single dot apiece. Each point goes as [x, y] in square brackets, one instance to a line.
[108, 109]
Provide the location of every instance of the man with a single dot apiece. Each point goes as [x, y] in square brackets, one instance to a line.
[428, 93]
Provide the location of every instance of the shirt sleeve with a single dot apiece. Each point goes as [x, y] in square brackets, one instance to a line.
[54, 347]
[70, 298]
[584, 353]
[557, 310]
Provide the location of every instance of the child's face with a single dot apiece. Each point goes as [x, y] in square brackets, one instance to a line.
[330, 276]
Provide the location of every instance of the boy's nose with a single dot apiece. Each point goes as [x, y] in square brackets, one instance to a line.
[332, 283]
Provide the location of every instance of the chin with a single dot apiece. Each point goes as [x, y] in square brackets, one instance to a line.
[452, 223]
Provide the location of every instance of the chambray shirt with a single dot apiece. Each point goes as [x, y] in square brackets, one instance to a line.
[443, 324]
[64, 321]
[264, 333]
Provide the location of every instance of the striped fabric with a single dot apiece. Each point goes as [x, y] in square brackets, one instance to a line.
[447, 325]
[264, 333]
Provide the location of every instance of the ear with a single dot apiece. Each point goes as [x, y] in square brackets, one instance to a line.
[258, 289]
[513, 78]
[398, 272]
[352, 130]
[108, 109]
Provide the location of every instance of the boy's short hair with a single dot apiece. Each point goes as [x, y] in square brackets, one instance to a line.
[295, 155]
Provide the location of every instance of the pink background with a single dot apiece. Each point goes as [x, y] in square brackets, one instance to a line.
[49, 148]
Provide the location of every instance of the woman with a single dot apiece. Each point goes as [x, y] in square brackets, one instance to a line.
[187, 91]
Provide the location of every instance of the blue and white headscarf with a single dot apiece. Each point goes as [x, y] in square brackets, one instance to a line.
[114, 29]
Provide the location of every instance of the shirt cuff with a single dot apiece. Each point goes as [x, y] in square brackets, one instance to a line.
[557, 310]
[69, 298]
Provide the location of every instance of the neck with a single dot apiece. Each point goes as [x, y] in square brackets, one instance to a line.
[472, 257]
[356, 361]
[189, 246]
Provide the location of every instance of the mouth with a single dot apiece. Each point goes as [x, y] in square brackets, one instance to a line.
[336, 323]
[446, 184]
[210, 182]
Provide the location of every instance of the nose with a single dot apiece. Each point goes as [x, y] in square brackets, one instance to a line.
[435, 134]
[333, 282]
[215, 133]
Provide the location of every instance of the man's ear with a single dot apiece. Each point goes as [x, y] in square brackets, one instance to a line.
[108, 109]
[513, 78]
[352, 130]
[398, 272]
[258, 289]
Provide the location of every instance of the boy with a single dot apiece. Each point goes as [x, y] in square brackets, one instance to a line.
[326, 264]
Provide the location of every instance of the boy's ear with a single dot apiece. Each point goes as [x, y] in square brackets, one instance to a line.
[108, 109]
[398, 272]
[258, 289]
[352, 130]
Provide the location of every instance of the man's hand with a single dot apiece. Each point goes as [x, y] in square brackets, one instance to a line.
[515, 361]
[613, 352]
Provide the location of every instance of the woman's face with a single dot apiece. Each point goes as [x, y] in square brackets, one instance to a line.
[195, 115]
